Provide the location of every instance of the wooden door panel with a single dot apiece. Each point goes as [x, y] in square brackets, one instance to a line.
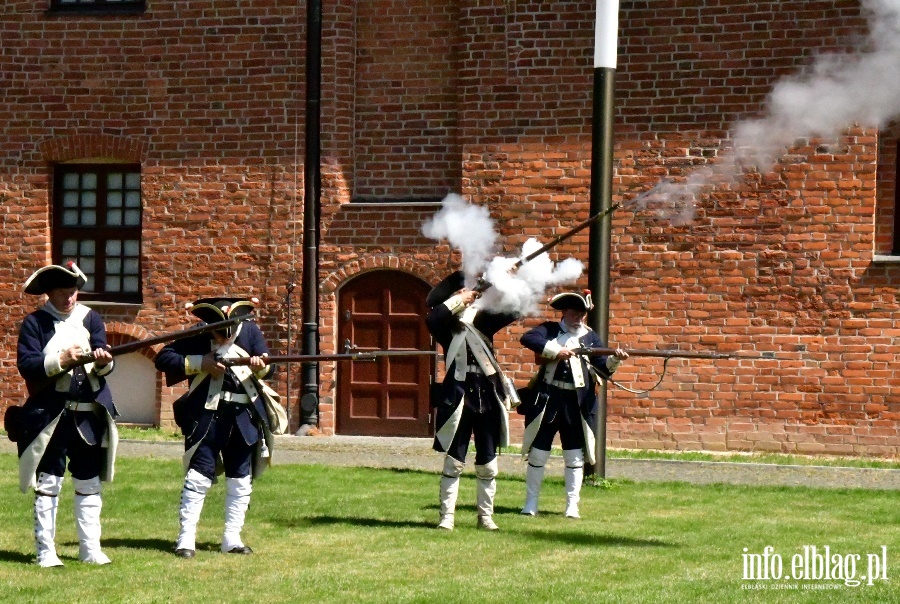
[384, 310]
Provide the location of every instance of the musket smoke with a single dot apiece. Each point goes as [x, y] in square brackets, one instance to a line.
[521, 291]
[470, 229]
[836, 92]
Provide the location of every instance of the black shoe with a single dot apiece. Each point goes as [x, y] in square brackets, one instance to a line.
[185, 553]
[241, 549]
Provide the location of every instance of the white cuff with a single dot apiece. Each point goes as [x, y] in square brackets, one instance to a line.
[612, 363]
[192, 364]
[52, 365]
[264, 371]
[551, 349]
[104, 371]
[455, 304]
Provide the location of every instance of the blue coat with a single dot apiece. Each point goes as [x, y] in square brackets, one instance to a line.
[536, 339]
[191, 413]
[443, 325]
[481, 393]
[45, 401]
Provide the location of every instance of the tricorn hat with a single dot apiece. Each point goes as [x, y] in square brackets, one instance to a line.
[573, 300]
[446, 288]
[54, 277]
[213, 310]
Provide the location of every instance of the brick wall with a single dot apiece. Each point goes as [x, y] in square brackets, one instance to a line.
[780, 263]
[205, 97]
[492, 99]
[406, 100]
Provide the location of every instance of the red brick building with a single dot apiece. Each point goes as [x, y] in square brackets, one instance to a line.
[161, 143]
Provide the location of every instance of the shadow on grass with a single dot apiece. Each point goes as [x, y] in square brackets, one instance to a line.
[591, 539]
[353, 521]
[18, 557]
[162, 545]
[435, 472]
[470, 507]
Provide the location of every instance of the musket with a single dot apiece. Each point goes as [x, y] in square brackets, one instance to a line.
[671, 354]
[666, 355]
[35, 387]
[163, 339]
[361, 355]
[483, 284]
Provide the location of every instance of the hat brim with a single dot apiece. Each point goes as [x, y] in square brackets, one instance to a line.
[213, 310]
[53, 277]
[569, 301]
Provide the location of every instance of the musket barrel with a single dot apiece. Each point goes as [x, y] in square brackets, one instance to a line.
[165, 338]
[363, 355]
[679, 354]
[483, 284]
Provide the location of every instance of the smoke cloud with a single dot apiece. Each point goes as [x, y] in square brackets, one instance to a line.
[522, 290]
[836, 92]
[470, 229]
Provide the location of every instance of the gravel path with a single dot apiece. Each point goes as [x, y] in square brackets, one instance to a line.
[416, 454]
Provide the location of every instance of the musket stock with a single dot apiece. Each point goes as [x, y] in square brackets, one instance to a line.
[363, 355]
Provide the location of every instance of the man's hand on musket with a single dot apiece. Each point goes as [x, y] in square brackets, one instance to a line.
[258, 363]
[468, 295]
[212, 366]
[70, 356]
[102, 357]
[567, 353]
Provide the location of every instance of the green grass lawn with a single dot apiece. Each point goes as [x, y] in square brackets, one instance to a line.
[328, 534]
[173, 435]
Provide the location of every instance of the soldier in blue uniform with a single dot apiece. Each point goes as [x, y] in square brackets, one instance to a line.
[69, 411]
[562, 398]
[474, 398]
[222, 417]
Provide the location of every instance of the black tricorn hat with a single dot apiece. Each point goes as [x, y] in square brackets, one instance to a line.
[54, 277]
[573, 301]
[213, 310]
[446, 288]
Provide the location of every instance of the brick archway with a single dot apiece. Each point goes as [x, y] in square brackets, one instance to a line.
[135, 383]
[93, 145]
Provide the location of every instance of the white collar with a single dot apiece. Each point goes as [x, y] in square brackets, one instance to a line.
[55, 312]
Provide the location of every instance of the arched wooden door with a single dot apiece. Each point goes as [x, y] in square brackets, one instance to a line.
[384, 310]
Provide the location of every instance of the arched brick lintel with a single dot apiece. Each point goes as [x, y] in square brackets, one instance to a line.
[118, 333]
[93, 146]
[422, 269]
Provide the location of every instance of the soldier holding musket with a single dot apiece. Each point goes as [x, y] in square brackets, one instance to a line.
[474, 398]
[222, 416]
[62, 355]
[562, 397]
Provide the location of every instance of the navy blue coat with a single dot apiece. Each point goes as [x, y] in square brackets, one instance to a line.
[443, 325]
[191, 414]
[44, 402]
[536, 339]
